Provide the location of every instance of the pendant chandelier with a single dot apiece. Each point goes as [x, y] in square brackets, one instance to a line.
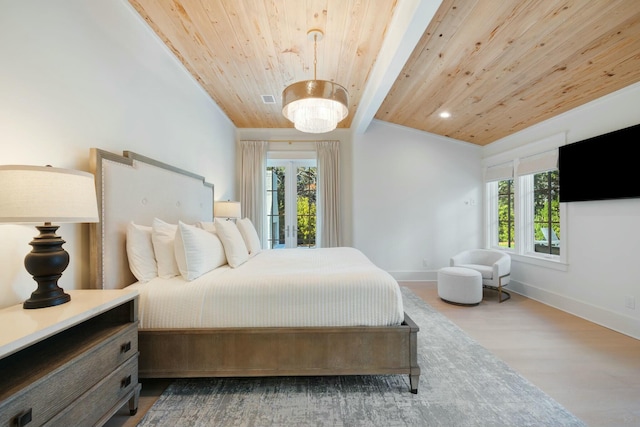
[315, 106]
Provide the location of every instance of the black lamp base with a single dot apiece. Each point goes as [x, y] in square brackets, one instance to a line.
[48, 298]
[46, 262]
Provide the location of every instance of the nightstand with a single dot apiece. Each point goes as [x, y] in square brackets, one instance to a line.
[71, 364]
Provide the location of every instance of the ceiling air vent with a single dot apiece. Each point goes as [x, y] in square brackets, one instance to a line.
[268, 99]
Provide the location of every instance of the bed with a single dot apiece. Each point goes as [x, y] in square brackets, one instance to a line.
[331, 333]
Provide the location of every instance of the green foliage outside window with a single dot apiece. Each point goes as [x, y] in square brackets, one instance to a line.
[306, 178]
[306, 222]
[546, 212]
[306, 206]
[506, 223]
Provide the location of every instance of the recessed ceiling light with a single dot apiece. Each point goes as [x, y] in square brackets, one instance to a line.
[445, 114]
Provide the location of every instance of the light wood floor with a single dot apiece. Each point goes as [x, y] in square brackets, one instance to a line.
[592, 371]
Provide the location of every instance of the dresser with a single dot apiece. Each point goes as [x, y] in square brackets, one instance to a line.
[74, 364]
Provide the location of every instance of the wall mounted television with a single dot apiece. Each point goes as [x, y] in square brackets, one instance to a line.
[604, 167]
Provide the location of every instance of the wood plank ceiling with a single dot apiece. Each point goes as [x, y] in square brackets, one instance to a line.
[496, 66]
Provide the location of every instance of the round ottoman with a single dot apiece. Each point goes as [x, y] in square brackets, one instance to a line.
[458, 285]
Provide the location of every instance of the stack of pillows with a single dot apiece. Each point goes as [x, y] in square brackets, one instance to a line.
[168, 250]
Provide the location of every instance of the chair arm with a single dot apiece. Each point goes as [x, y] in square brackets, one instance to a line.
[502, 267]
[458, 259]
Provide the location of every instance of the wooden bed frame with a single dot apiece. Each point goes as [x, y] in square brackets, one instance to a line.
[136, 188]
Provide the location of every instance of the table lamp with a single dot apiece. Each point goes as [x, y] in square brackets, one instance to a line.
[229, 210]
[43, 194]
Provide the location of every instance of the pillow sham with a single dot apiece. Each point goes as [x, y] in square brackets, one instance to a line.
[209, 226]
[197, 251]
[140, 253]
[162, 237]
[234, 246]
[249, 235]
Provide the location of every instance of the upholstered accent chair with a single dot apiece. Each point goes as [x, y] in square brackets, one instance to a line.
[493, 265]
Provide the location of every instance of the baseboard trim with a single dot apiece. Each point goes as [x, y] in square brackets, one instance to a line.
[615, 321]
[606, 318]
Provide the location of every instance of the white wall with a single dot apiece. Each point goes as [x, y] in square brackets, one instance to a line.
[416, 196]
[76, 74]
[602, 237]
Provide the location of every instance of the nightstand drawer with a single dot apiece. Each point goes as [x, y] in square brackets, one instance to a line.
[41, 383]
[103, 399]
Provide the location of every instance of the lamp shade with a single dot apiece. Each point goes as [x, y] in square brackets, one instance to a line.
[226, 209]
[34, 194]
[315, 106]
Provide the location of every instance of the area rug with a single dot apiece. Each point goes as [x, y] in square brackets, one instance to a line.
[461, 384]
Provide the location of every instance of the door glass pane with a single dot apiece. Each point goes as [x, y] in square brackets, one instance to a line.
[306, 206]
[275, 207]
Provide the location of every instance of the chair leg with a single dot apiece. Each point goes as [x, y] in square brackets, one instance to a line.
[500, 292]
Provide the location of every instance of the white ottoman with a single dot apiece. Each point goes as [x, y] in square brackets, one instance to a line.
[458, 285]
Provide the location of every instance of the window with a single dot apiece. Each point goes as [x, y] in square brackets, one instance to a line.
[524, 213]
[546, 213]
[538, 184]
[500, 202]
[506, 222]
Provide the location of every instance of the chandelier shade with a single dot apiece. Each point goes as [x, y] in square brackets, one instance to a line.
[315, 106]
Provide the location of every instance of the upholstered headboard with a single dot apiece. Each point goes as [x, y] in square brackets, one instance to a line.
[136, 188]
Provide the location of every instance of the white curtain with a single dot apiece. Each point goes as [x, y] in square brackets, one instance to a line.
[328, 203]
[252, 183]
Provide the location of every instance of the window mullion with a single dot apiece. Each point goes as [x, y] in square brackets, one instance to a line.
[525, 214]
[492, 214]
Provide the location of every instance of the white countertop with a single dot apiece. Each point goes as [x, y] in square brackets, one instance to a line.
[20, 327]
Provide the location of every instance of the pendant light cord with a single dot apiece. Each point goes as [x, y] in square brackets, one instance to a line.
[315, 55]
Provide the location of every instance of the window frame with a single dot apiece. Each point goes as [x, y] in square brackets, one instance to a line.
[524, 249]
[528, 219]
[549, 214]
[493, 191]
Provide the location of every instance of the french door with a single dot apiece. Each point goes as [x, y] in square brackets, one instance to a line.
[291, 203]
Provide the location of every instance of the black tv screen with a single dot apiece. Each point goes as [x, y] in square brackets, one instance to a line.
[604, 167]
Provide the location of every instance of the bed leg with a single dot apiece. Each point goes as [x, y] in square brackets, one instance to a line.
[413, 382]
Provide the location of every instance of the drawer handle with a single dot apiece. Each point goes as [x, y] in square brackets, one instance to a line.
[125, 347]
[125, 382]
[22, 419]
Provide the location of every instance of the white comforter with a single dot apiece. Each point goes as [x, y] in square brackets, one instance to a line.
[277, 288]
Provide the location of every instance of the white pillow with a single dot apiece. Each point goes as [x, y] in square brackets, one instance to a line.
[250, 236]
[142, 260]
[163, 236]
[234, 247]
[209, 226]
[197, 251]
